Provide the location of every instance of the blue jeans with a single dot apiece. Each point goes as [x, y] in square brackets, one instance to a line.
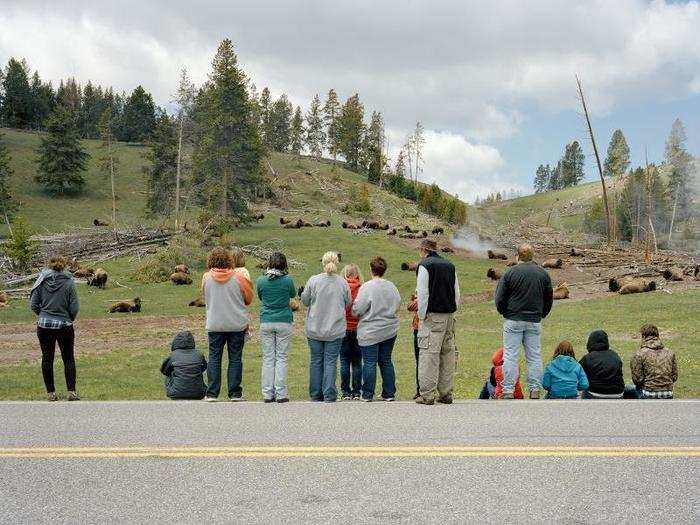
[527, 334]
[373, 355]
[234, 342]
[323, 366]
[350, 364]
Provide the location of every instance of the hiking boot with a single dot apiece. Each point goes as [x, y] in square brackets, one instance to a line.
[283, 400]
[423, 401]
[73, 396]
[445, 400]
[210, 399]
[51, 396]
[534, 394]
[506, 396]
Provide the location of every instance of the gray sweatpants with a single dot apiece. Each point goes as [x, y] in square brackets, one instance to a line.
[275, 338]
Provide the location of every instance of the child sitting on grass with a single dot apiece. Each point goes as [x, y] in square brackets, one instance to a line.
[493, 388]
[564, 376]
[184, 369]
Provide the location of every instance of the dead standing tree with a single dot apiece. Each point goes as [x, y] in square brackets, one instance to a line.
[608, 224]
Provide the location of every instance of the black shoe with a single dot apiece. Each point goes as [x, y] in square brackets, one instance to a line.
[445, 400]
[422, 401]
[283, 400]
[269, 400]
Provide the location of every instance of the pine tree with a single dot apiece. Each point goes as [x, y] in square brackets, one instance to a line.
[331, 113]
[297, 132]
[7, 206]
[555, 178]
[62, 159]
[162, 171]
[350, 131]
[107, 161]
[20, 248]
[400, 168]
[16, 109]
[43, 101]
[618, 158]
[678, 162]
[265, 123]
[373, 156]
[418, 142]
[227, 147]
[315, 136]
[69, 94]
[280, 124]
[139, 117]
[185, 100]
[572, 165]
[542, 178]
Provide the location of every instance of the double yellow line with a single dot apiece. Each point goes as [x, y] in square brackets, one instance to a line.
[346, 452]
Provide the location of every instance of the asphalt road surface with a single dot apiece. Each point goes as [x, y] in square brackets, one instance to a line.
[471, 462]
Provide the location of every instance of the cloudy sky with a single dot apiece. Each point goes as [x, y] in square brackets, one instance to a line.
[492, 82]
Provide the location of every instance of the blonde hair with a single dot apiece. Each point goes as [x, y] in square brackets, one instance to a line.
[351, 270]
[330, 262]
[238, 257]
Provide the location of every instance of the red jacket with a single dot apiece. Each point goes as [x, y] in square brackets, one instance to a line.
[351, 320]
[497, 376]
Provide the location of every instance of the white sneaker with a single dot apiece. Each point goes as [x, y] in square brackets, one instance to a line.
[210, 399]
[236, 399]
[388, 399]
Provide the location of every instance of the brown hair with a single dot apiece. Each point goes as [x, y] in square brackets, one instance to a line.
[428, 245]
[525, 252]
[564, 348]
[57, 263]
[219, 258]
[649, 330]
[238, 257]
[378, 266]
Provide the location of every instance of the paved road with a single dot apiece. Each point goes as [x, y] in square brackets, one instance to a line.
[476, 462]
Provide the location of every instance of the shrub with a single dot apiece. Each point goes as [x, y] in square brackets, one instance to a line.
[19, 247]
[183, 249]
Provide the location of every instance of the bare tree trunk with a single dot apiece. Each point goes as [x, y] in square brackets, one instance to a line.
[111, 178]
[649, 202]
[597, 158]
[177, 173]
[673, 218]
[7, 221]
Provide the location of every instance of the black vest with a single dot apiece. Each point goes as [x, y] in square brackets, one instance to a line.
[441, 284]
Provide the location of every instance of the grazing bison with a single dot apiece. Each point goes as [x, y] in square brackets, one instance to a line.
[180, 278]
[98, 279]
[673, 274]
[447, 249]
[408, 229]
[638, 286]
[258, 217]
[493, 274]
[83, 273]
[438, 230]
[126, 306]
[285, 220]
[407, 235]
[4, 299]
[552, 263]
[182, 268]
[350, 226]
[496, 255]
[576, 253]
[372, 225]
[409, 266]
[98, 222]
[294, 225]
[198, 302]
[561, 292]
[323, 224]
[385, 226]
[392, 231]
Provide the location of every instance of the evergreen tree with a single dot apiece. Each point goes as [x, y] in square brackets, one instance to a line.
[265, 122]
[542, 176]
[618, 159]
[162, 171]
[632, 211]
[350, 131]
[555, 178]
[280, 124]
[42, 100]
[185, 100]
[91, 110]
[373, 157]
[227, 149]
[62, 159]
[107, 161]
[297, 132]
[69, 94]
[331, 112]
[315, 136]
[679, 164]
[417, 142]
[20, 248]
[572, 165]
[139, 116]
[16, 110]
[7, 205]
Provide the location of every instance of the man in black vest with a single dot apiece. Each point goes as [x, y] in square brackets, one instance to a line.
[438, 296]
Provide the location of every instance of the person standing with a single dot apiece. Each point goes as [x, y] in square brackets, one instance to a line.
[275, 289]
[54, 299]
[377, 306]
[326, 295]
[350, 354]
[227, 296]
[523, 297]
[437, 293]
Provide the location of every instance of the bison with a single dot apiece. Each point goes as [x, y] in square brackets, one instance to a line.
[181, 268]
[126, 306]
[438, 230]
[638, 286]
[493, 274]
[198, 302]
[4, 299]
[496, 255]
[323, 224]
[561, 292]
[294, 225]
[447, 249]
[372, 225]
[98, 222]
[615, 283]
[180, 278]
[576, 253]
[673, 274]
[409, 266]
[392, 231]
[258, 217]
[552, 263]
[83, 273]
[285, 220]
[98, 279]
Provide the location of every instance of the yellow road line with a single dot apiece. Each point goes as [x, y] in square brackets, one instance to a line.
[346, 452]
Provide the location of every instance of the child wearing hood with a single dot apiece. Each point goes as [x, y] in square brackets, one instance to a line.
[184, 369]
[493, 388]
[564, 376]
[603, 368]
[350, 355]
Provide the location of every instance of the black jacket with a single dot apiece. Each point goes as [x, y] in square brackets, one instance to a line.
[441, 284]
[524, 293]
[603, 366]
[184, 369]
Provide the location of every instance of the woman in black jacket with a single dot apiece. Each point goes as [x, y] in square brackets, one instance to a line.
[184, 369]
[603, 368]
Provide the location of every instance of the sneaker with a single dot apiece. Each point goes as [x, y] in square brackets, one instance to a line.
[388, 399]
[445, 400]
[506, 396]
[534, 394]
[73, 396]
[283, 400]
[51, 396]
[210, 399]
[356, 397]
[236, 399]
[347, 397]
[264, 400]
[366, 399]
[422, 401]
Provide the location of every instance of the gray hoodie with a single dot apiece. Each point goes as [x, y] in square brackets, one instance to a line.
[326, 296]
[377, 305]
[54, 296]
[184, 369]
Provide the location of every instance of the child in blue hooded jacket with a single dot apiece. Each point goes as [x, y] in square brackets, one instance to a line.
[564, 376]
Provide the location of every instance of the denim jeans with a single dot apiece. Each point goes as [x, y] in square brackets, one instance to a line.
[527, 334]
[373, 355]
[234, 342]
[350, 364]
[323, 367]
[275, 339]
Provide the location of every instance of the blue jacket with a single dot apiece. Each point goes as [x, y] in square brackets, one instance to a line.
[564, 377]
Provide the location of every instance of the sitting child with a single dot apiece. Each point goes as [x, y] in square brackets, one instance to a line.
[603, 368]
[184, 369]
[654, 368]
[564, 376]
[493, 388]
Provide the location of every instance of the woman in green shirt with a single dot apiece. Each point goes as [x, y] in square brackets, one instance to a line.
[275, 289]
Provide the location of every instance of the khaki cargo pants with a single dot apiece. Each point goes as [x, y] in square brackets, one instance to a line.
[436, 355]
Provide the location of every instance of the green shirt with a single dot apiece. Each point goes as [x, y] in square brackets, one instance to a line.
[275, 292]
